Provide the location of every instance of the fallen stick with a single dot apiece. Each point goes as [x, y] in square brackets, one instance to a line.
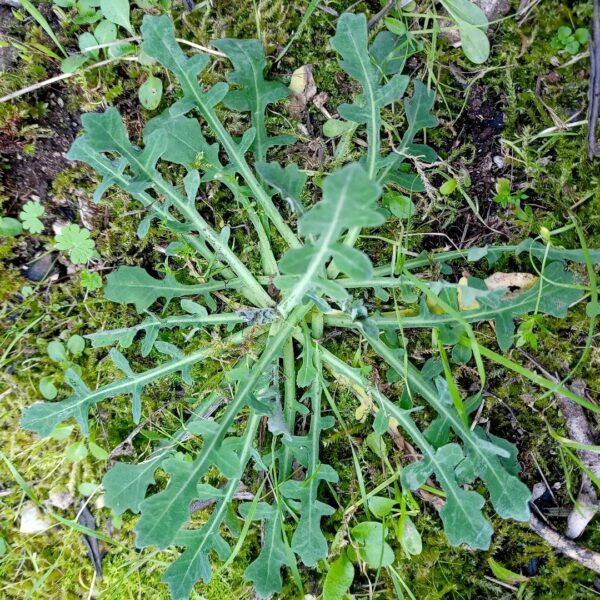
[586, 505]
[586, 558]
[594, 88]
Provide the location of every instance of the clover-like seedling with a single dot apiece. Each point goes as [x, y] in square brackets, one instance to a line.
[30, 217]
[76, 242]
[570, 41]
[90, 280]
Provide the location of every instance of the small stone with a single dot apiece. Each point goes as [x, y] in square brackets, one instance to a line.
[539, 489]
[41, 267]
[60, 499]
[499, 161]
[58, 225]
[493, 9]
[553, 77]
[32, 520]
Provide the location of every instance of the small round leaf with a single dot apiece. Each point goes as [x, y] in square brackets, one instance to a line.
[105, 32]
[475, 43]
[150, 93]
[97, 452]
[87, 488]
[339, 578]
[76, 345]
[47, 388]
[76, 452]
[10, 227]
[56, 351]
[400, 205]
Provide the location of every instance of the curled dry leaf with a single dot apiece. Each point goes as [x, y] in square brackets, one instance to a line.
[302, 90]
[515, 282]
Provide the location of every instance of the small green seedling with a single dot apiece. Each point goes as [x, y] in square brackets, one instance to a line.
[505, 196]
[107, 22]
[90, 280]
[63, 356]
[399, 205]
[570, 41]
[529, 330]
[508, 198]
[79, 450]
[76, 242]
[30, 217]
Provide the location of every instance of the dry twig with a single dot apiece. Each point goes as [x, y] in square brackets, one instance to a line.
[594, 89]
[587, 558]
[586, 505]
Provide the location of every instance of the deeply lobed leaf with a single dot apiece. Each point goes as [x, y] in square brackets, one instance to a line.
[349, 200]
